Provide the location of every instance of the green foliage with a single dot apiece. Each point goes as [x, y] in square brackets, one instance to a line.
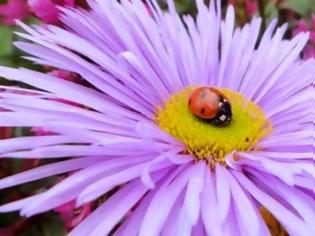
[48, 224]
[9, 55]
[8, 219]
[185, 6]
[182, 6]
[6, 37]
[271, 11]
[301, 7]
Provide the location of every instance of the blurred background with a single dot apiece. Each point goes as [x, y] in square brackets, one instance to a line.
[298, 14]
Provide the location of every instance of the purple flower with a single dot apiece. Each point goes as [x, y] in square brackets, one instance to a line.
[134, 143]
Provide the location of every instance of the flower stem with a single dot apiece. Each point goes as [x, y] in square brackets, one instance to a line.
[261, 8]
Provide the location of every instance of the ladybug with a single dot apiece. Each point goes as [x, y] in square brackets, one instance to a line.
[210, 105]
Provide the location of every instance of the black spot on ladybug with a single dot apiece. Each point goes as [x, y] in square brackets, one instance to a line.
[246, 139]
[202, 110]
[203, 95]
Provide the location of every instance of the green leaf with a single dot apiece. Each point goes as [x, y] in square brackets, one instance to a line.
[301, 7]
[33, 21]
[7, 219]
[271, 11]
[6, 37]
[182, 6]
[48, 224]
[54, 226]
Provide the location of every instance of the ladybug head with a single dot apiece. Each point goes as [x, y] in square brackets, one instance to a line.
[224, 114]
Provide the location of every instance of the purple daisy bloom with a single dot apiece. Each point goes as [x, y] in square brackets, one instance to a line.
[133, 138]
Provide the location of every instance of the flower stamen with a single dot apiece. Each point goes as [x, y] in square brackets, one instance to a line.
[208, 142]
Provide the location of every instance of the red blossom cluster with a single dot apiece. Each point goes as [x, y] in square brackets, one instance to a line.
[303, 26]
[45, 10]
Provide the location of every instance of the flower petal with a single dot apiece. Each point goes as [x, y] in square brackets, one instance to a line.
[293, 224]
[44, 171]
[163, 202]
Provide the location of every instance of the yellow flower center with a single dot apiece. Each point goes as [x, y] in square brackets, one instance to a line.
[209, 142]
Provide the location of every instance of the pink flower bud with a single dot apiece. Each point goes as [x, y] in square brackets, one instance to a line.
[71, 215]
[304, 26]
[13, 10]
[47, 10]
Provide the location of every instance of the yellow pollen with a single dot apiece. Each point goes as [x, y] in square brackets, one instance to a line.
[208, 142]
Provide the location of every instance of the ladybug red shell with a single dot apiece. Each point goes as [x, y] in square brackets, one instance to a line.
[209, 104]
